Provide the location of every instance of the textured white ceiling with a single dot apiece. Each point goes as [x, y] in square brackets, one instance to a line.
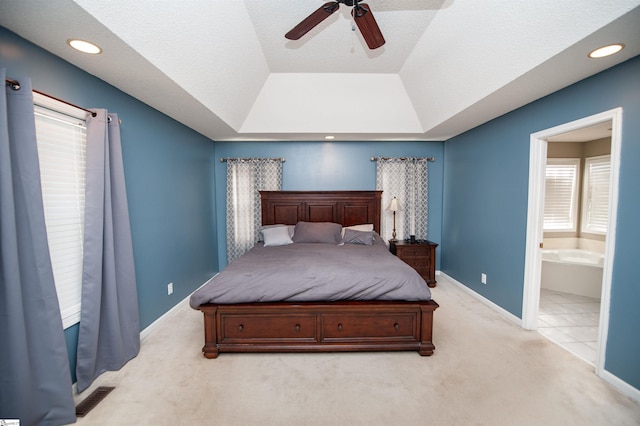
[225, 69]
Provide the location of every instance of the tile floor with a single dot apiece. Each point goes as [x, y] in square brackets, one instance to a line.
[571, 321]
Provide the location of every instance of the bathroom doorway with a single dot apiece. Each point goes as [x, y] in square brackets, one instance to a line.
[574, 236]
[572, 314]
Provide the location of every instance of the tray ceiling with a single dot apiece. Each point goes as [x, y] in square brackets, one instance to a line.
[225, 69]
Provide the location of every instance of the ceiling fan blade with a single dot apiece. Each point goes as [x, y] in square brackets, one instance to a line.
[322, 13]
[367, 25]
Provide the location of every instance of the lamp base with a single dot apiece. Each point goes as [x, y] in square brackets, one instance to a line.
[393, 234]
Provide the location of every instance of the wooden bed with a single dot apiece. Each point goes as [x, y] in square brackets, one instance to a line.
[319, 327]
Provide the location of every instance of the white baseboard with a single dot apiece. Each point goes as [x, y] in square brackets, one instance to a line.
[613, 380]
[621, 386]
[503, 312]
[167, 315]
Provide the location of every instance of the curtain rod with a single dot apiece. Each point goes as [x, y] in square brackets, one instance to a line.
[15, 85]
[223, 160]
[431, 159]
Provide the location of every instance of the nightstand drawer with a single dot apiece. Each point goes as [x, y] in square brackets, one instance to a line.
[413, 252]
[424, 273]
[416, 262]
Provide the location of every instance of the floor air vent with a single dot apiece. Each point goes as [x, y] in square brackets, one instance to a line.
[92, 400]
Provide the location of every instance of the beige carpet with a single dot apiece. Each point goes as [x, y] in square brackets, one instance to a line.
[485, 371]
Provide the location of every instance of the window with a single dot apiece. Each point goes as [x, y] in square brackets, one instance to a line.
[595, 204]
[62, 138]
[561, 195]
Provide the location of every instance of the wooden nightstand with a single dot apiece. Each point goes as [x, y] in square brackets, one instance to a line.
[421, 256]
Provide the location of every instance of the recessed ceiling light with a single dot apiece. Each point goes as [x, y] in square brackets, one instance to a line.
[84, 46]
[329, 137]
[606, 50]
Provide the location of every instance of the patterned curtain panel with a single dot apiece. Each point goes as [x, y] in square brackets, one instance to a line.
[407, 180]
[245, 178]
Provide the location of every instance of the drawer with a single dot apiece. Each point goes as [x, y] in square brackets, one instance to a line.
[413, 252]
[424, 272]
[417, 262]
[267, 327]
[361, 326]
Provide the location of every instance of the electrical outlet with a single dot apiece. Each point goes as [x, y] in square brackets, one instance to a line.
[169, 288]
[483, 278]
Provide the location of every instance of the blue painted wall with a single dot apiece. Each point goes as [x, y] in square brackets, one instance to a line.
[331, 166]
[485, 203]
[169, 177]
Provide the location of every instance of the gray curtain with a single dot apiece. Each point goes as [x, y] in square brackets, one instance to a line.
[109, 333]
[35, 381]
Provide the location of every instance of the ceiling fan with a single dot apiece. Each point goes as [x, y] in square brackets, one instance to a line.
[362, 15]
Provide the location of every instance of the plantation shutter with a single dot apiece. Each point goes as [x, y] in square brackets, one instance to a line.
[596, 197]
[561, 188]
[61, 138]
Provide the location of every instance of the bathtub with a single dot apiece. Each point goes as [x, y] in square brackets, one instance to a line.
[573, 271]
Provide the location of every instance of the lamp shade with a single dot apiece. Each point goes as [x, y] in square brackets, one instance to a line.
[394, 205]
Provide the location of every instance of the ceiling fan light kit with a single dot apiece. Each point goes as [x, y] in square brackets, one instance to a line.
[361, 13]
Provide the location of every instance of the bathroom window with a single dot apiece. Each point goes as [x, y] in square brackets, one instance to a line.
[595, 204]
[61, 139]
[561, 195]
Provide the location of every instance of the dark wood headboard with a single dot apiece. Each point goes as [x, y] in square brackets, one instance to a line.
[344, 207]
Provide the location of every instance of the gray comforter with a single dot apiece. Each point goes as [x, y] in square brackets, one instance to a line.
[302, 272]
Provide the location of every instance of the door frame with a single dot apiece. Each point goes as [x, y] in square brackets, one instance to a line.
[535, 216]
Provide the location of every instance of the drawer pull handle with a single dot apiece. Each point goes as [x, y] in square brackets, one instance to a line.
[240, 327]
[396, 326]
[297, 327]
[339, 327]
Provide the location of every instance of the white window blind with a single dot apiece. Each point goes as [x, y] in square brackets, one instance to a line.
[62, 138]
[561, 194]
[595, 216]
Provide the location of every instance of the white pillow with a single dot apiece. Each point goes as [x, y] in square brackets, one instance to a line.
[290, 227]
[276, 236]
[366, 227]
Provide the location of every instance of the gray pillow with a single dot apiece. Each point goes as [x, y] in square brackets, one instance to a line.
[358, 237]
[318, 232]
